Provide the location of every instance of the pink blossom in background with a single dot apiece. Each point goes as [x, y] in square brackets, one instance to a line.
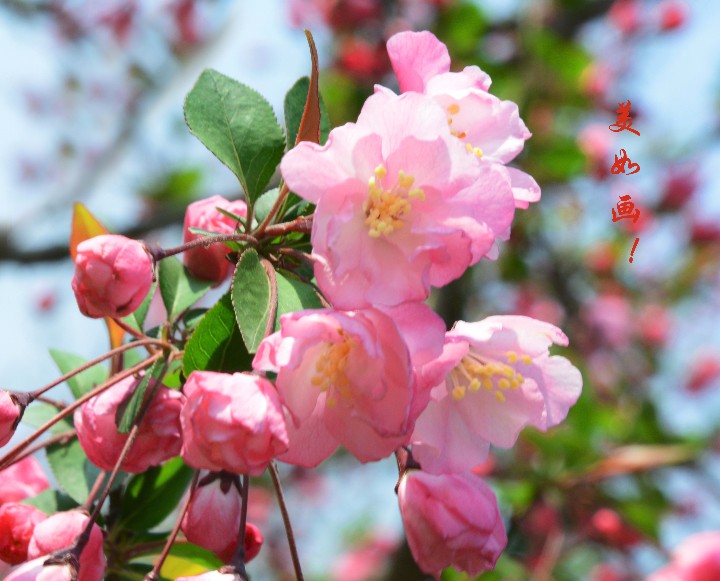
[9, 416]
[626, 15]
[209, 263]
[21, 480]
[113, 274]
[398, 184]
[610, 317]
[489, 128]
[697, 558]
[35, 571]
[159, 436]
[704, 371]
[673, 14]
[451, 520]
[232, 422]
[211, 576]
[347, 375]
[500, 378]
[365, 561]
[17, 522]
[60, 531]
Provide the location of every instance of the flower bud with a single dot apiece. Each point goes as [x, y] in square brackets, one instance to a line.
[113, 274]
[697, 558]
[158, 439]
[232, 422]
[17, 522]
[10, 413]
[59, 532]
[22, 480]
[209, 262]
[35, 570]
[452, 519]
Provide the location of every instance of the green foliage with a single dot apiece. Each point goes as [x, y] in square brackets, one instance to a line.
[39, 413]
[136, 319]
[238, 125]
[294, 295]
[83, 382]
[73, 471]
[51, 501]
[294, 106]
[189, 559]
[178, 288]
[129, 409]
[251, 299]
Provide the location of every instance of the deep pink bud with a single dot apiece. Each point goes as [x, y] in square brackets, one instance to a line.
[232, 422]
[22, 480]
[60, 531]
[697, 558]
[35, 571]
[9, 417]
[17, 522]
[209, 262]
[113, 274]
[451, 519]
[673, 14]
[158, 439]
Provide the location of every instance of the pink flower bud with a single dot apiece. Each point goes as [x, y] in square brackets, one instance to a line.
[211, 576]
[22, 480]
[35, 570]
[158, 439]
[697, 558]
[232, 422]
[113, 274]
[673, 14]
[209, 262]
[17, 522]
[9, 417]
[451, 519]
[60, 531]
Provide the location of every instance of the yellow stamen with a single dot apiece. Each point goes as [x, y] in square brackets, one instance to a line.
[453, 109]
[385, 209]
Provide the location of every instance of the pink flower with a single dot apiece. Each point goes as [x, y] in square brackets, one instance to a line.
[10, 413]
[209, 263]
[451, 520]
[113, 274]
[697, 558]
[22, 480]
[17, 522]
[211, 576]
[401, 187]
[232, 422]
[158, 439]
[345, 377]
[365, 561]
[60, 531]
[35, 570]
[673, 14]
[488, 127]
[500, 378]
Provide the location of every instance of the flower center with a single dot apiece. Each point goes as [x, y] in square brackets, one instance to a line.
[330, 370]
[475, 371]
[385, 209]
[453, 110]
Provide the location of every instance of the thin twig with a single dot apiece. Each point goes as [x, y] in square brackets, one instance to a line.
[286, 520]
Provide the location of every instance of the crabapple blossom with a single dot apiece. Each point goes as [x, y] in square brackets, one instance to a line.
[17, 522]
[209, 262]
[398, 184]
[60, 531]
[10, 413]
[113, 275]
[211, 576]
[697, 558]
[158, 438]
[451, 519]
[232, 422]
[21, 480]
[36, 570]
[499, 378]
[489, 128]
[346, 378]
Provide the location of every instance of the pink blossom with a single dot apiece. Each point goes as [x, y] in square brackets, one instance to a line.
[17, 522]
[673, 14]
[232, 422]
[345, 377]
[488, 127]
[23, 479]
[211, 576]
[209, 263]
[625, 15]
[449, 520]
[399, 185]
[365, 561]
[113, 274]
[35, 570]
[59, 532]
[499, 378]
[158, 439]
[697, 558]
[9, 416]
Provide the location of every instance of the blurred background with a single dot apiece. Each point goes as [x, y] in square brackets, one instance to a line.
[91, 100]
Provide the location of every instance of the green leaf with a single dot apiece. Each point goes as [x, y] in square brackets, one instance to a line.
[216, 344]
[238, 125]
[186, 559]
[39, 413]
[51, 501]
[72, 469]
[265, 203]
[251, 299]
[83, 382]
[179, 289]
[294, 295]
[128, 410]
[294, 107]
[136, 319]
[151, 496]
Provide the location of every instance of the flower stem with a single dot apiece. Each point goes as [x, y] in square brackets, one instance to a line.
[286, 520]
[284, 191]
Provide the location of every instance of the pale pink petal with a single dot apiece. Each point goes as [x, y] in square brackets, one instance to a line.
[416, 57]
[524, 187]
